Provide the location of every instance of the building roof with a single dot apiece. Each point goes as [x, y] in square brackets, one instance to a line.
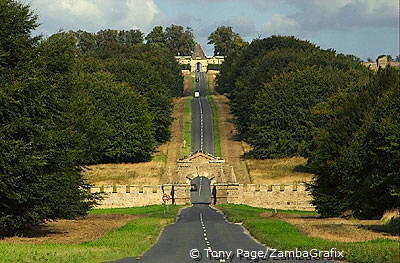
[198, 52]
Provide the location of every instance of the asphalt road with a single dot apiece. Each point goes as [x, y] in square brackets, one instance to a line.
[202, 230]
[198, 227]
[202, 193]
[202, 135]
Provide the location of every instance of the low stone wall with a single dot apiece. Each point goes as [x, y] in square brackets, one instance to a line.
[283, 196]
[120, 196]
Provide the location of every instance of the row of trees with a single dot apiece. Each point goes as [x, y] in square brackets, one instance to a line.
[179, 40]
[292, 98]
[63, 106]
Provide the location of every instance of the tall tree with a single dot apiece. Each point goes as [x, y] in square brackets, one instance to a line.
[225, 41]
[40, 153]
[157, 36]
[180, 40]
[130, 37]
[15, 41]
[86, 41]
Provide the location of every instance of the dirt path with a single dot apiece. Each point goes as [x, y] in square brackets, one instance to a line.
[231, 149]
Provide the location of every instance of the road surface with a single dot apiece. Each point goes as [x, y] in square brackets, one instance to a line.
[202, 193]
[198, 227]
[202, 135]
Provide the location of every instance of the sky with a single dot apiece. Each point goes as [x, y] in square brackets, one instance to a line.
[365, 28]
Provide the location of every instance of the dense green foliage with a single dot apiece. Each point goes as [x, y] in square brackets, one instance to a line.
[356, 153]
[74, 99]
[292, 98]
[225, 41]
[40, 159]
[178, 39]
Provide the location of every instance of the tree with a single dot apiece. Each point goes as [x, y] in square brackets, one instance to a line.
[114, 120]
[355, 152]
[225, 41]
[179, 40]
[157, 36]
[40, 151]
[16, 21]
[86, 41]
[130, 37]
[283, 122]
[106, 38]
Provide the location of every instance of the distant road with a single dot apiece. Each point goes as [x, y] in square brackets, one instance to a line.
[202, 135]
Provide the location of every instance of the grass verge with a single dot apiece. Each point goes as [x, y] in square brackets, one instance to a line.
[187, 127]
[281, 235]
[216, 132]
[133, 239]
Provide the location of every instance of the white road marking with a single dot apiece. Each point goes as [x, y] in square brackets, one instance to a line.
[205, 234]
[201, 183]
[201, 125]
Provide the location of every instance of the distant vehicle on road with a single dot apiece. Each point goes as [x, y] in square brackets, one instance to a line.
[193, 188]
[197, 94]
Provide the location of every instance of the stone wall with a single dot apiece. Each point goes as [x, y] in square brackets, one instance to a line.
[120, 196]
[283, 196]
[288, 196]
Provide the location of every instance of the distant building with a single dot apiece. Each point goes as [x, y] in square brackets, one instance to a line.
[199, 61]
[381, 62]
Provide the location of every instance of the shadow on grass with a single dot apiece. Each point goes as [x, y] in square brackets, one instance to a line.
[392, 227]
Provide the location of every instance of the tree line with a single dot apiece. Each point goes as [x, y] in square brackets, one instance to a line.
[179, 40]
[71, 100]
[292, 98]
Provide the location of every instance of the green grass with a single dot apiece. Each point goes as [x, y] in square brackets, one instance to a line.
[160, 157]
[187, 127]
[133, 239]
[216, 132]
[209, 90]
[281, 235]
[190, 91]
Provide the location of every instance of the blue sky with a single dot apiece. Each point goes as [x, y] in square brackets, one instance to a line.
[365, 28]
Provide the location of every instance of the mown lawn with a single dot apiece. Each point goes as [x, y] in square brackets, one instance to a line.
[187, 127]
[281, 235]
[133, 239]
[216, 132]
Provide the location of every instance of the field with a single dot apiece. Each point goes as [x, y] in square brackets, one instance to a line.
[274, 231]
[283, 170]
[132, 236]
[128, 173]
[210, 89]
[187, 127]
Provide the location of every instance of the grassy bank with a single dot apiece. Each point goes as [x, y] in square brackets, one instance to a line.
[187, 127]
[281, 235]
[216, 132]
[133, 239]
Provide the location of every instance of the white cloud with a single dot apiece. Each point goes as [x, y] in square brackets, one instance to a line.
[243, 25]
[92, 15]
[313, 16]
[281, 25]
